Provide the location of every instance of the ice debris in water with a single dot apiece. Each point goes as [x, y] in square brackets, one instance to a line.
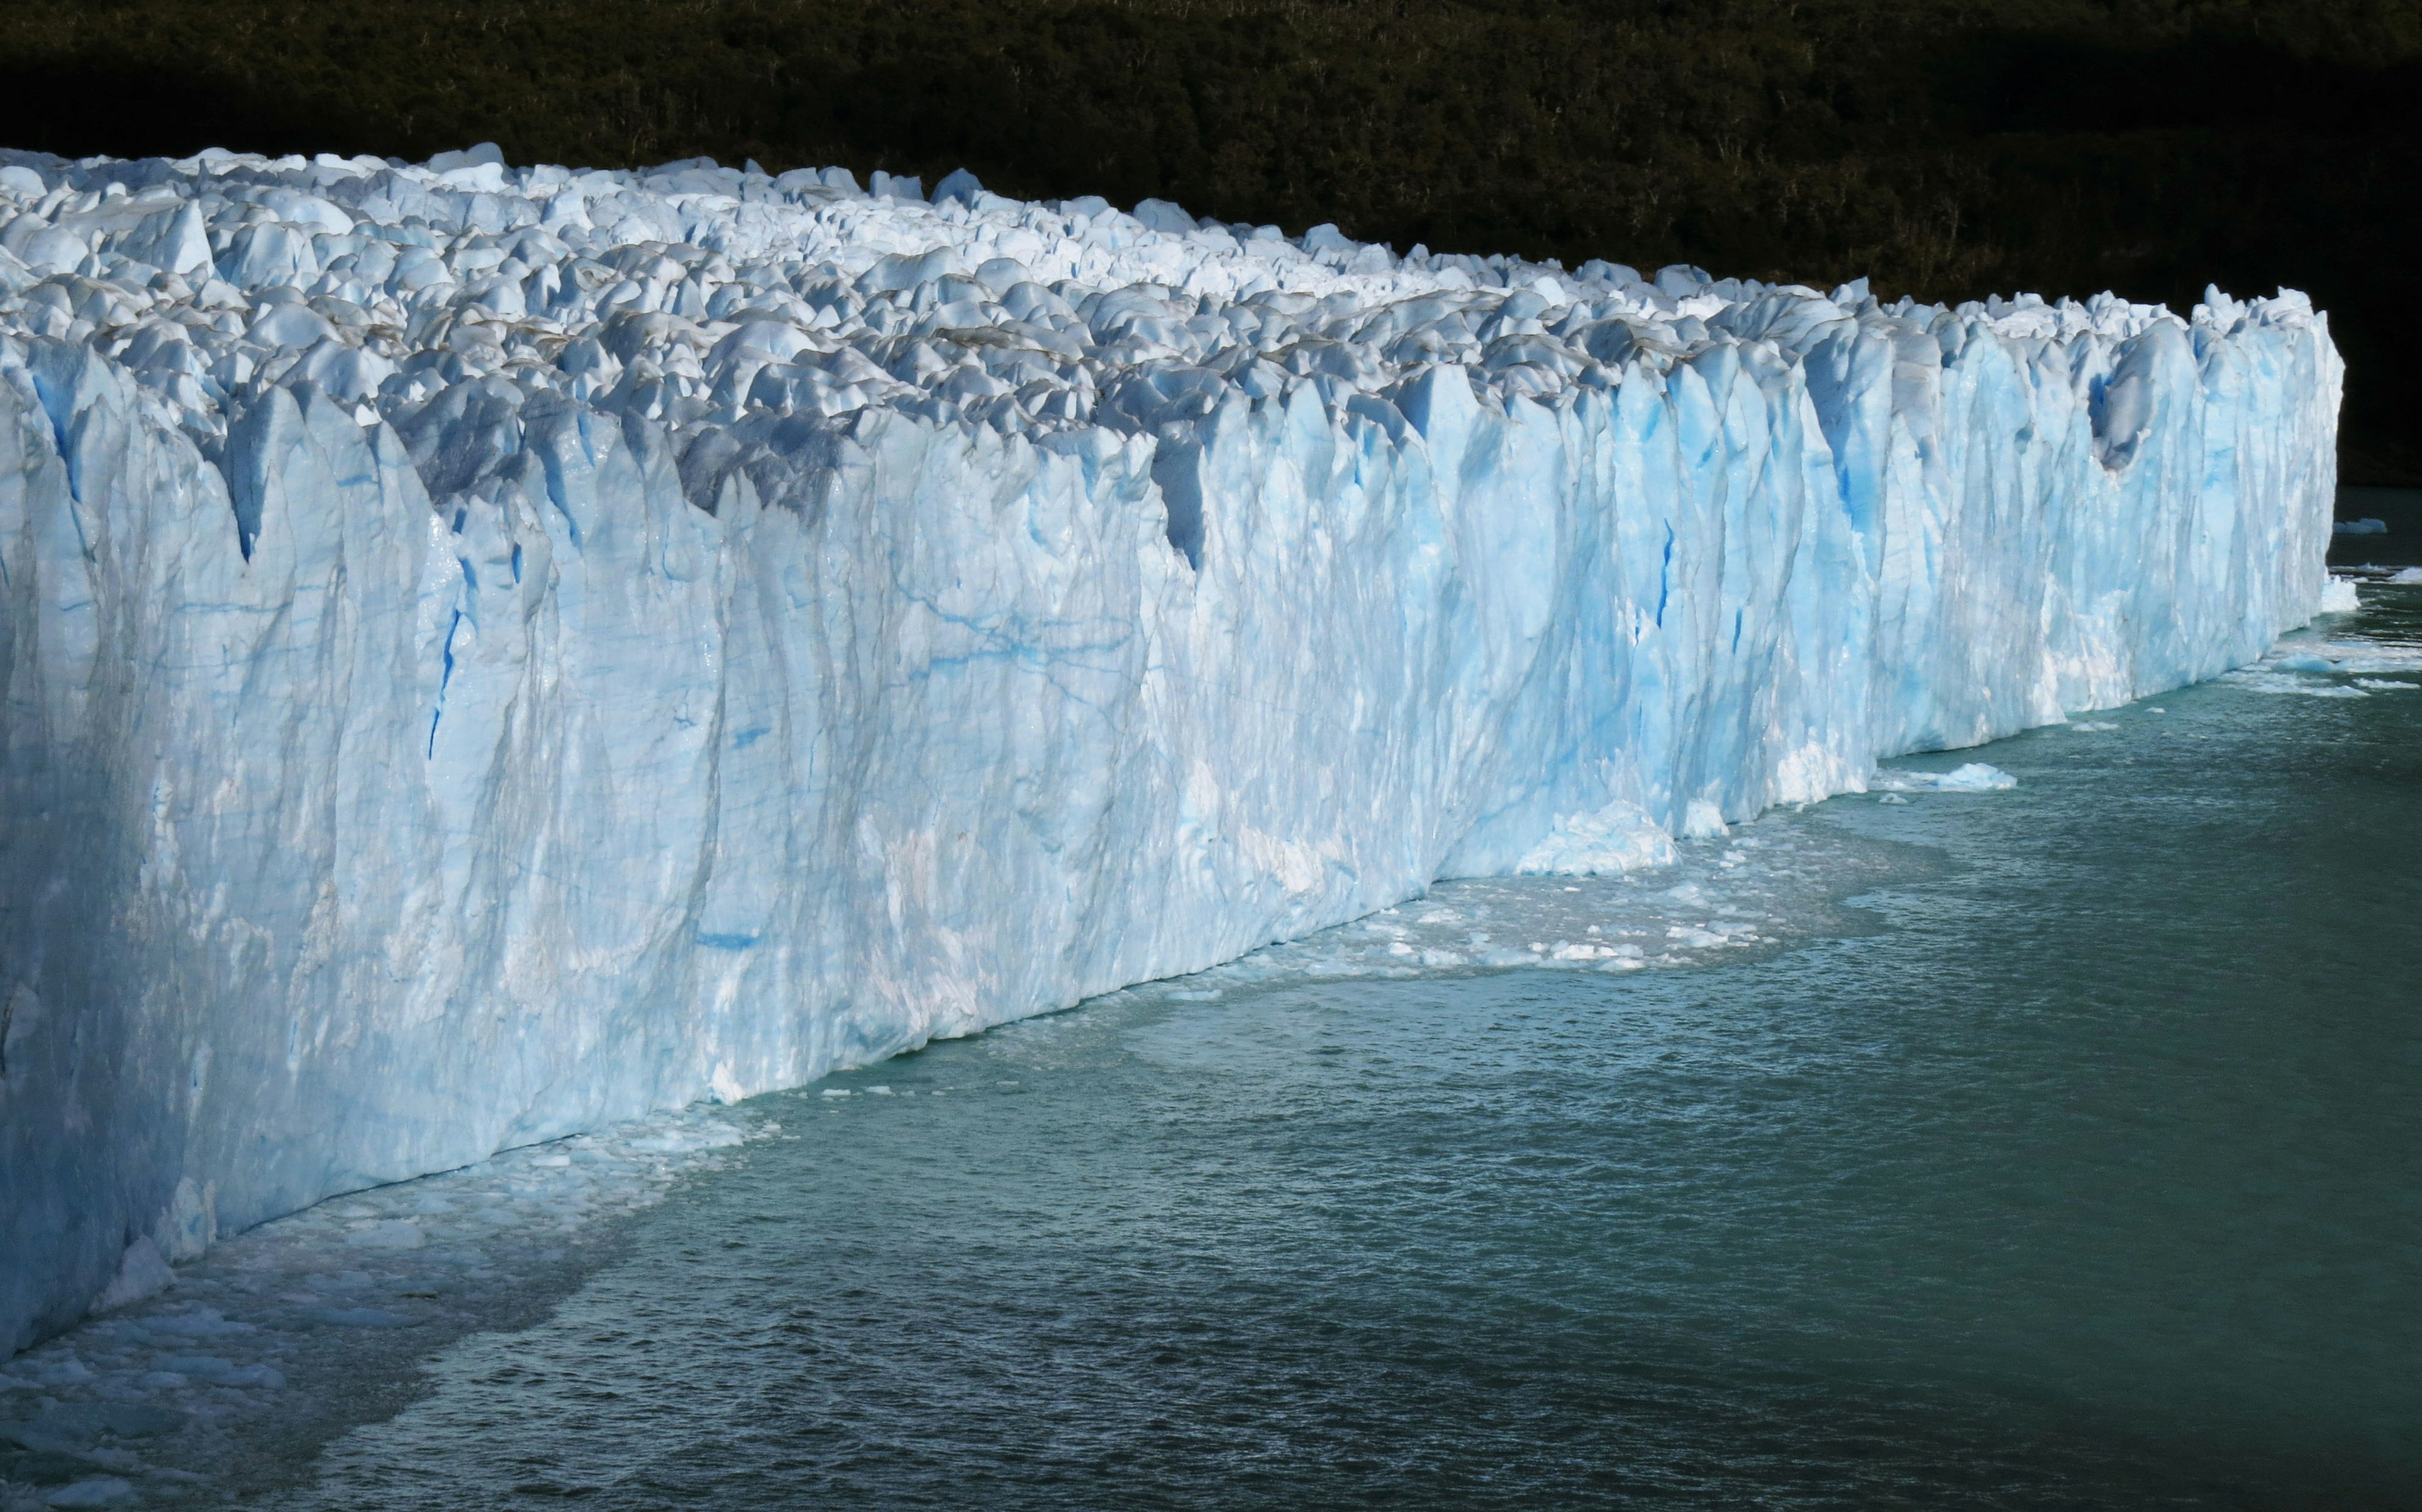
[1975, 777]
[1971, 777]
[2360, 527]
[2307, 664]
[1761, 886]
[2405, 576]
[171, 1398]
[2338, 596]
[2336, 664]
[497, 650]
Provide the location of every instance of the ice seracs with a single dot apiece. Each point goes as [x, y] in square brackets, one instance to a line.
[492, 650]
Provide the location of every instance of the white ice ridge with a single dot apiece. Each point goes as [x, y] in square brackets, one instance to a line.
[491, 651]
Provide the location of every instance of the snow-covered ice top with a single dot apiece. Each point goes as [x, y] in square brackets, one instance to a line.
[493, 651]
[721, 300]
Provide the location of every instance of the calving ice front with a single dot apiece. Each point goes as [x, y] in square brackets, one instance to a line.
[492, 651]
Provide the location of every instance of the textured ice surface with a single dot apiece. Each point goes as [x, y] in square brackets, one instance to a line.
[492, 651]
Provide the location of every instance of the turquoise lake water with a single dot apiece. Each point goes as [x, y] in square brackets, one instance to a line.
[2053, 1147]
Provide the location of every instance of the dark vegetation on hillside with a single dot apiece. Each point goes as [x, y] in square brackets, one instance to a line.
[1946, 148]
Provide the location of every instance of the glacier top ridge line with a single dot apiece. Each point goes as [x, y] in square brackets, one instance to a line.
[492, 651]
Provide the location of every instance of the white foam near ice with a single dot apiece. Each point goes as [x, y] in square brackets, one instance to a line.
[492, 651]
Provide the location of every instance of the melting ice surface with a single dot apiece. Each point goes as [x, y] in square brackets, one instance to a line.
[495, 651]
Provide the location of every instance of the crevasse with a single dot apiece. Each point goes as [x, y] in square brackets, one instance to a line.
[492, 651]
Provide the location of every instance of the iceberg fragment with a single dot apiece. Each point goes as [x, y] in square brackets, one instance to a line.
[1971, 777]
[491, 650]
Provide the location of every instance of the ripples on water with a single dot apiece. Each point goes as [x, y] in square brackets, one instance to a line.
[2075, 1165]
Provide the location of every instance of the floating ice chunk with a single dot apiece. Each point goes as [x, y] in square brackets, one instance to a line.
[98, 1491]
[1974, 778]
[1977, 777]
[2337, 597]
[2359, 527]
[2373, 660]
[1693, 936]
[198, 1323]
[2405, 576]
[2264, 680]
[387, 1234]
[63, 1368]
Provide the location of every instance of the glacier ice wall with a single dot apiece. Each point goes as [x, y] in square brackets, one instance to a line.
[491, 651]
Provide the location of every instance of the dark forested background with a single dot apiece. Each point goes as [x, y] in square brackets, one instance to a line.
[1944, 148]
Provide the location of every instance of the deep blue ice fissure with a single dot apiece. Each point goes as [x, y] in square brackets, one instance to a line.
[491, 651]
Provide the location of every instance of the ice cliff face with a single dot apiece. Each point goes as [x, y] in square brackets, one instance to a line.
[491, 651]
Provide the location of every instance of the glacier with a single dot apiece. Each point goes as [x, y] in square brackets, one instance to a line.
[493, 651]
